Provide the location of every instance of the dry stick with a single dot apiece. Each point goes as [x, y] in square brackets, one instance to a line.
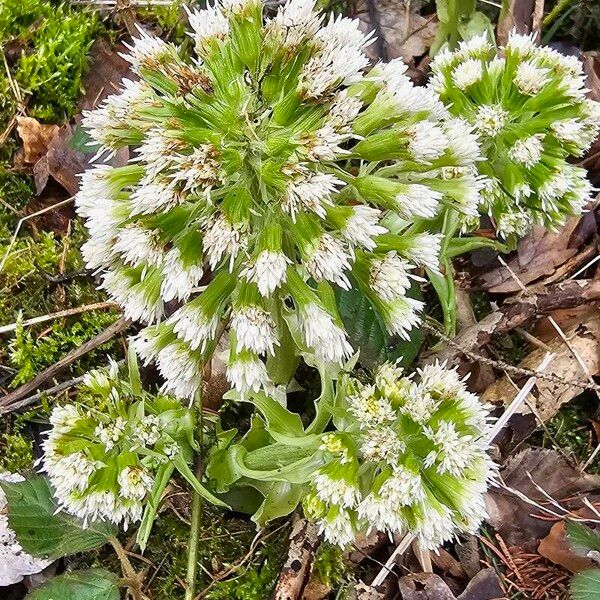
[515, 313]
[500, 364]
[56, 389]
[294, 575]
[498, 426]
[387, 568]
[7, 402]
[69, 312]
[556, 327]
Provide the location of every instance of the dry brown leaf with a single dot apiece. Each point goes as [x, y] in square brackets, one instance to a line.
[445, 562]
[105, 72]
[516, 14]
[424, 586]
[36, 137]
[428, 586]
[555, 547]
[403, 33]
[316, 589]
[538, 255]
[517, 521]
[547, 396]
[362, 591]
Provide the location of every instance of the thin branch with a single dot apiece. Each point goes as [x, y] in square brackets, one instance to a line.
[69, 312]
[8, 402]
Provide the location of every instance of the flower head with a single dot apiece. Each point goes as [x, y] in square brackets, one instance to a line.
[258, 181]
[101, 454]
[528, 104]
[420, 447]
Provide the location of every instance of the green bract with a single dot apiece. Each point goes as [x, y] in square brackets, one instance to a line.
[528, 104]
[273, 162]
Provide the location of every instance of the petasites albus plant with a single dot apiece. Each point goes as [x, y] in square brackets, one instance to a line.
[393, 452]
[267, 171]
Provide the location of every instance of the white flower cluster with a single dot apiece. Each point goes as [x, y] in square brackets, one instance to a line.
[101, 455]
[529, 105]
[409, 457]
[15, 563]
[271, 159]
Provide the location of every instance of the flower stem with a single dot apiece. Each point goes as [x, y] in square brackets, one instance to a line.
[192, 563]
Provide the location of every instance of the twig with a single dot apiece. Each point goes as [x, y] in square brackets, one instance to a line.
[56, 389]
[69, 312]
[518, 400]
[296, 570]
[555, 325]
[519, 311]
[133, 580]
[8, 401]
[504, 366]
[407, 540]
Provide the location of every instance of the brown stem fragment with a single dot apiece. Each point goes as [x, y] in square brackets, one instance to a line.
[516, 312]
[298, 565]
[9, 400]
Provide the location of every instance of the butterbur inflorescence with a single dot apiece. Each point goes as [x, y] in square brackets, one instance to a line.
[528, 105]
[102, 454]
[269, 160]
[408, 456]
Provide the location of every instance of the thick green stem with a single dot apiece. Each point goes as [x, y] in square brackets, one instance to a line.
[559, 8]
[192, 563]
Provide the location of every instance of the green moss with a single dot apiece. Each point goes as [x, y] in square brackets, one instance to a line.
[169, 20]
[330, 565]
[49, 46]
[15, 452]
[15, 191]
[224, 540]
[26, 279]
[571, 430]
[30, 354]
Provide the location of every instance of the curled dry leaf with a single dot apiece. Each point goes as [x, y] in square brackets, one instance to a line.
[36, 138]
[402, 32]
[555, 547]
[538, 255]
[518, 522]
[428, 586]
[65, 156]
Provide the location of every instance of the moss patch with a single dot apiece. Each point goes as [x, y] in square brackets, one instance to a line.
[46, 47]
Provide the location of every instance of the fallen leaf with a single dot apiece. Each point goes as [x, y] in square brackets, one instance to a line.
[36, 138]
[362, 591]
[516, 14]
[484, 586]
[555, 547]
[517, 521]
[548, 397]
[402, 32]
[315, 589]
[538, 255]
[469, 555]
[444, 561]
[105, 73]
